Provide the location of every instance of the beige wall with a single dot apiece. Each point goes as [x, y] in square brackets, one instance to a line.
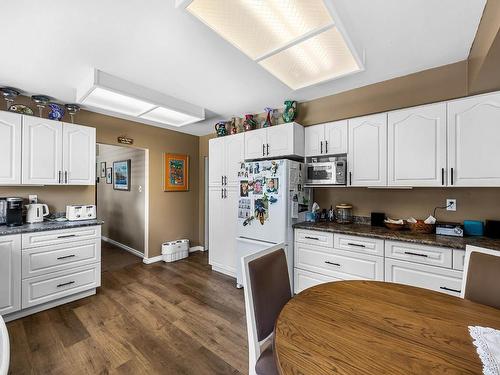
[123, 210]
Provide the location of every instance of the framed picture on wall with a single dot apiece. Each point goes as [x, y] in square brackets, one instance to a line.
[103, 169]
[109, 175]
[121, 175]
[175, 172]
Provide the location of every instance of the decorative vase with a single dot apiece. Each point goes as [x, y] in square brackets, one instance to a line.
[56, 112]
[249, 123]
[290, 111]
[267, 123]
[234, 130]
[220, 129]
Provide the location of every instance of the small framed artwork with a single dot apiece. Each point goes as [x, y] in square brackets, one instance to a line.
[103, 169]
[121, 175]
[109, 175]
[175, 172]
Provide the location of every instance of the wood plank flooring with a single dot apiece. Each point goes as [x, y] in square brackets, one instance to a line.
[163, 318]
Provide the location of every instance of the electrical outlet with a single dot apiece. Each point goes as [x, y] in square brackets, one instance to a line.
[451, 205]
[33, 199]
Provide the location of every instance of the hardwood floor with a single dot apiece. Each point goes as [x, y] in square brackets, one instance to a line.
[163, 318]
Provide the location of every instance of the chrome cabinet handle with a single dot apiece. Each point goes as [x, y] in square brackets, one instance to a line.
[355, 244]
[67, 236]
[332, 263]
[416, 254]
[311, 238]
[66, 257]
[65, 284]
[450, 289]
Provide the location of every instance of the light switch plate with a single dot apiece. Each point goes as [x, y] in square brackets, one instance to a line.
[33, 199]
[451, 205]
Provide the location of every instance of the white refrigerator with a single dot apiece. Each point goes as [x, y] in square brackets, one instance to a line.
[271, 199]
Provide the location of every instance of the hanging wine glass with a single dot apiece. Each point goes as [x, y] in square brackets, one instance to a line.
[41, 102]
[72, 110]
[9, 94]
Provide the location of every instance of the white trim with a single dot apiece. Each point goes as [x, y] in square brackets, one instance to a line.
[122, 246]
[196, 248]
[155, 259]
[224, 270]
[146, 203]
[48, 305]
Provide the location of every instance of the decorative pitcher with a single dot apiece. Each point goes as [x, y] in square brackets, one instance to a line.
[234, 129]
[267, 123]
[290, 112]
[220, 129]
[249, 123]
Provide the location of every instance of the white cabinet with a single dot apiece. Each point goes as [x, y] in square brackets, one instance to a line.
[224, 156]
[417, 146]
[42, 151]
[303, 279]
[367, 158]
[473, 141]
[326, 139]
[78, 162]
[57, 153]
[10, 148]
[275, 142]
[10, 274]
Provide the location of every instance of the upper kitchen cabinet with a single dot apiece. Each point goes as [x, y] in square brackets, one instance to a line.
[10, 148]
[78, 163]
[417, 146]
[275, 142]
[225, 155]
[326, 139]
[367, 157]
[473, 141]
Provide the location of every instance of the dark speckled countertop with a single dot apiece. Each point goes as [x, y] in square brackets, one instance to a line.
[47, 225]
[404, 235]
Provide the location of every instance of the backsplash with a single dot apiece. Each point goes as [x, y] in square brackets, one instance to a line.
[472, 203]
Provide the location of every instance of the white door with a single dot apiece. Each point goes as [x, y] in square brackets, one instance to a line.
[473, 141]
[255, 144]
[335, 138]
[219, 244]
[234, 154]
[10, 148]
[78, 155]
[216, 161]
[42, 151]
[314, 140]
[367, 158]
[280, 140]
[417, 146]
[10, 274]
[230, 204]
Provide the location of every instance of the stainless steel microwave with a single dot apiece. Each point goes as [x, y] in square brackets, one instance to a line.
[327, 173]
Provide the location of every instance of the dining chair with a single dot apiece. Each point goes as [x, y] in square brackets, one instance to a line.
[267, 289]
[4, 348]
[481, 281]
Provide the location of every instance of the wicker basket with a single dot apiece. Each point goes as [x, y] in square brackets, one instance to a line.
[421, 227]
[393, 226]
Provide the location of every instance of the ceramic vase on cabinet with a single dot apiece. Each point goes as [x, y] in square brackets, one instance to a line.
[249, 123]
[290, 112]
[220, 129]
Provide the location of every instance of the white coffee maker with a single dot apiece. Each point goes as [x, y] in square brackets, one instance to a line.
[36, 212]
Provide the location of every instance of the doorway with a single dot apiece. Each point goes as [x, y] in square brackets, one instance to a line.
[122, 197]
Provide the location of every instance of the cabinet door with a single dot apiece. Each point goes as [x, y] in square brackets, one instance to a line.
[473, 135]
[285, 140]
[255, 144]
[10, 148]
[78, 155]
[217, 253]
[367, 158]
[42, 151]
[234, 154]
[10, 274]
[417, 146]
[230, 228]
[335, 138]
[216, 161]
[314, 140]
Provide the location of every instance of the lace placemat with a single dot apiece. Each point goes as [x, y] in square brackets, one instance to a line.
[487, 342]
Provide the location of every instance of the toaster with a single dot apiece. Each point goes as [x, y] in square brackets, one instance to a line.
[85, 212]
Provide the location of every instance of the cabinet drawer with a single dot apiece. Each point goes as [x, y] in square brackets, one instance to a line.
[306, 279]
[46, 288]
[358, 244]
[42, 260]
[55, 237]
[458, 259]
[424, 276]
[344, 265]
[313, 237]
[435, 256]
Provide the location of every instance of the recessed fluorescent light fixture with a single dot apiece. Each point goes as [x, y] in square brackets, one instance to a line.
[113, 95]
[301, 42]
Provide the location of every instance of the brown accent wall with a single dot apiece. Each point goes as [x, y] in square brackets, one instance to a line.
[172, 215]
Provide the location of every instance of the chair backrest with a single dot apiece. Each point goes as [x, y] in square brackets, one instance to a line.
[481, 282]
[4, 348]
[267, 290]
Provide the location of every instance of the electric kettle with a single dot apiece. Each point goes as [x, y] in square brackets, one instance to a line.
[36, 212]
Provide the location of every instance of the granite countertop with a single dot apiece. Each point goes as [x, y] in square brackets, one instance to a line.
[404, 235]
[47, 225]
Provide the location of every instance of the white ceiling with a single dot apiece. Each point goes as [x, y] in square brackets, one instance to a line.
[49, 46]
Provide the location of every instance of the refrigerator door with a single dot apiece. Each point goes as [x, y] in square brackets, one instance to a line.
[244, 247]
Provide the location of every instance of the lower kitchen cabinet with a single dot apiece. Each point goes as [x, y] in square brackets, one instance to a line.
[10, 274]
[303, 279]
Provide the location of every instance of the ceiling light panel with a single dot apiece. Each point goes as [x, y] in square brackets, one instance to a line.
[112, 101]
[259, 27]
[170, 117]
[320, 58]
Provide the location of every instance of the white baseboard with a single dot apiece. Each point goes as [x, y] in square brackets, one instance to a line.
[196, 248]
[124, 247]
[155, 259]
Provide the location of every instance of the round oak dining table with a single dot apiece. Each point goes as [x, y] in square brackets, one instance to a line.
[369, 327]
